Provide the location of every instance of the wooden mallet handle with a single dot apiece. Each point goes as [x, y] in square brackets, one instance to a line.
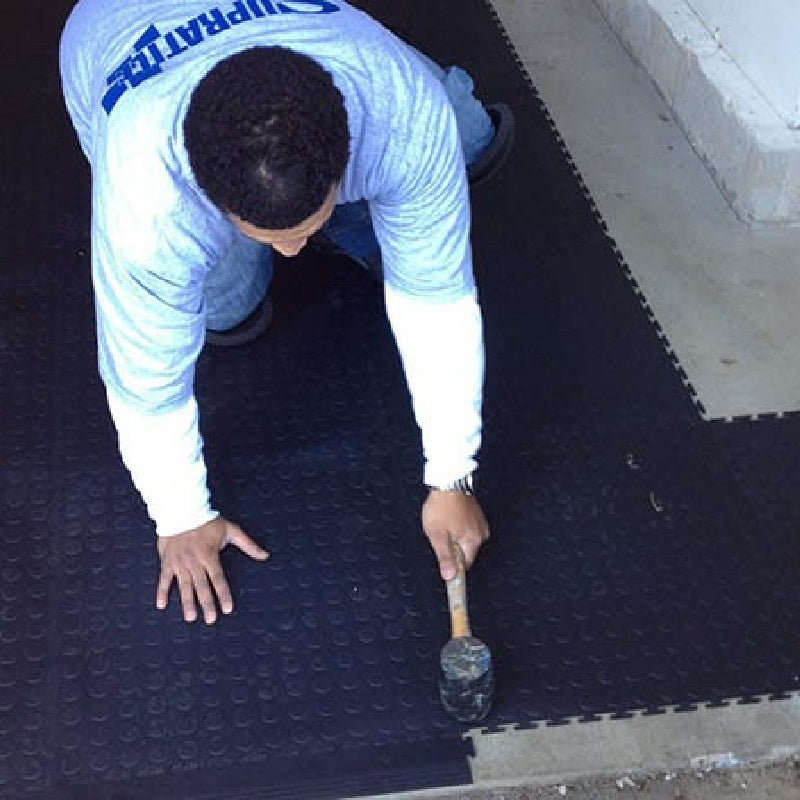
[457, 596]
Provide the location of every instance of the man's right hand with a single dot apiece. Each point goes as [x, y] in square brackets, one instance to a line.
[192, 560]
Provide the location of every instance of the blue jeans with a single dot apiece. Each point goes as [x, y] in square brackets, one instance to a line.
[239, 281]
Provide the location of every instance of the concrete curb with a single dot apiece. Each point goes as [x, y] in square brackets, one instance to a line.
[752, 153]
[702, 739]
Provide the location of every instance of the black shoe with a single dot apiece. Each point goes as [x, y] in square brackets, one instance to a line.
[246, 331]
[489, 162]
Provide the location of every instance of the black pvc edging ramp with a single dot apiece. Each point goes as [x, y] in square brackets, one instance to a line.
[641, 557]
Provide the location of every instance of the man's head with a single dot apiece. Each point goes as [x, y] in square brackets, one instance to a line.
[267, 138]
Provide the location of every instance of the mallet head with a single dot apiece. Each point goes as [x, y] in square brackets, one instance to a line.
[466, 687]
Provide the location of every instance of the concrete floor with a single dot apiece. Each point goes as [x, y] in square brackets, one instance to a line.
[726, 297]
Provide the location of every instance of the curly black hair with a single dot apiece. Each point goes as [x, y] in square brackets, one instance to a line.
[267, 137]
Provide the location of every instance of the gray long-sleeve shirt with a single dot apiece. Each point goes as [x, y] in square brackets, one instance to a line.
[128, 71]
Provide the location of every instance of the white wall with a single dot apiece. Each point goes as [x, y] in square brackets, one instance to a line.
[763, 37]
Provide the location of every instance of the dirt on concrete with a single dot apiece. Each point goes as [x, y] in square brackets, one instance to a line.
[774, 782]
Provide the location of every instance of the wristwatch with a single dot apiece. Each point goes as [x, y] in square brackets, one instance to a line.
[465, 485]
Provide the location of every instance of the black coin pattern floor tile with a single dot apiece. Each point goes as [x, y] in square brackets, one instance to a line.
[640, 556]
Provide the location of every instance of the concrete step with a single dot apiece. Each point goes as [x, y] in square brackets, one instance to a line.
[752, 153]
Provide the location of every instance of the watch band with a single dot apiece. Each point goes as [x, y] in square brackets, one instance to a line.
[465, 485]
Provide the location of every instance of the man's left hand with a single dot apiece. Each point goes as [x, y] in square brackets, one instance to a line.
[453, 518]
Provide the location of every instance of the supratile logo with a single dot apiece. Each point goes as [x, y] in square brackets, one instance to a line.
[153, 48]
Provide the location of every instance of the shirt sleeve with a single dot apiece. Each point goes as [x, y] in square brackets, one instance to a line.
[423, 226]
[441, 347]
[421, 215]
[153, 238]
[164, 456]
[75, 71]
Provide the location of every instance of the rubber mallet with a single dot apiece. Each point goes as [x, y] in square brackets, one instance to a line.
[466, 686]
